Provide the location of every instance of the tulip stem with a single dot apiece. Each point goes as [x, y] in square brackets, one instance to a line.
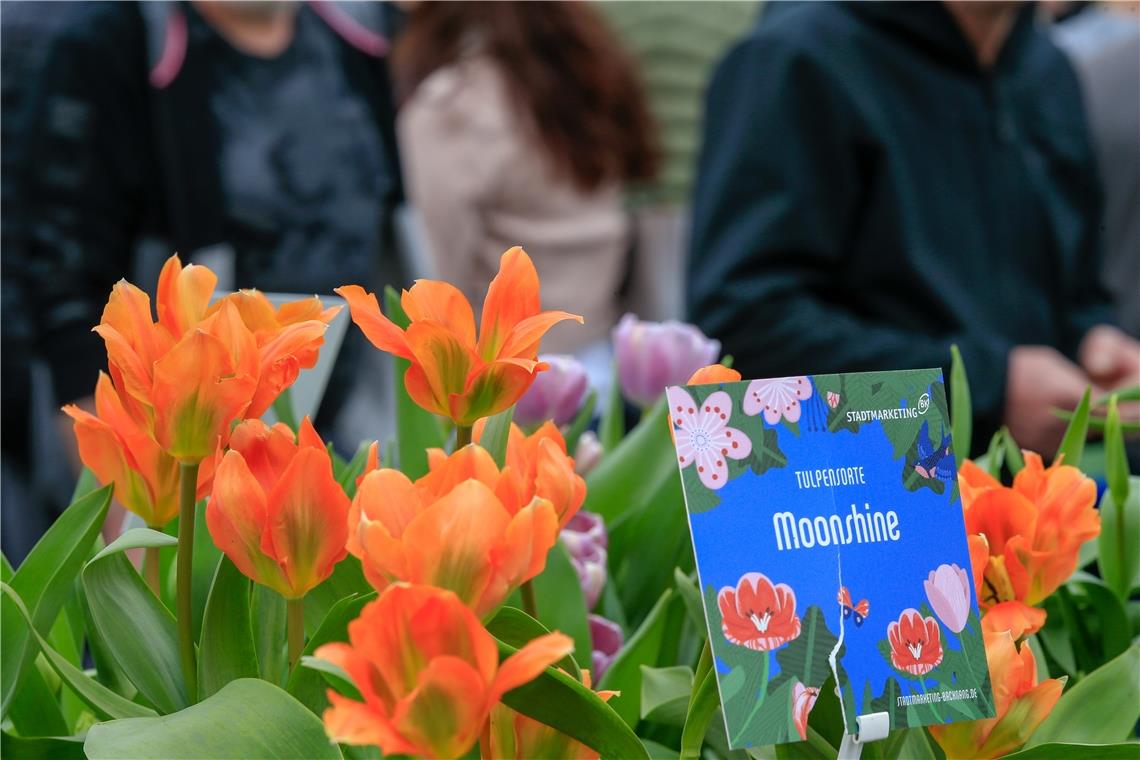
[530, 604]
[462, 436]
[296, 614]
[187, 496]
[151, 569]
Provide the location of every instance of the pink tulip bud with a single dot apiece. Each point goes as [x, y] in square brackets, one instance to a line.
[652, 355]
[585, 539]
[948, 591]
[555, 394]
[607, 637]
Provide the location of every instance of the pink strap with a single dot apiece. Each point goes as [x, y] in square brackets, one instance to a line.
[173, 50]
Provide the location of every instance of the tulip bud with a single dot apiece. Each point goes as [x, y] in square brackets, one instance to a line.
[585, 539]
[555, 394]
[653, 355]
[607, 638]
[587, 453]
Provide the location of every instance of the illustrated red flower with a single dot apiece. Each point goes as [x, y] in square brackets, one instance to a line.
[757, 614]
[916, 643]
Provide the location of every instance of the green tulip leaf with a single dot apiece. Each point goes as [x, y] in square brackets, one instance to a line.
[961, 411]
[1058, 751]
[642, 648]
[226, 651]
[561, 606]
[1072, 446]
[247, 718]
[1102, 707]
[513, 626]
[304, 683]
[665, 694]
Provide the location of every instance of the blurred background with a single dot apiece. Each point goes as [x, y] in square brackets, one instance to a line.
[819, 186]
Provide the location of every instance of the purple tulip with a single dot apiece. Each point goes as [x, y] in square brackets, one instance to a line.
[948, 591]
[587, 453]
[652, 355]
[585, 540]
[555, 394]
[607, 639]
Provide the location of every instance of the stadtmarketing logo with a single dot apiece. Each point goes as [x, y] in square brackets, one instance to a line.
[923, 403]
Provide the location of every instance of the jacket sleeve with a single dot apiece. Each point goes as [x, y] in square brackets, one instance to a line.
[778, 194]
[86, 155]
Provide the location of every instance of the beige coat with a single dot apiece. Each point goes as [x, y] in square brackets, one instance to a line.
[481, 183]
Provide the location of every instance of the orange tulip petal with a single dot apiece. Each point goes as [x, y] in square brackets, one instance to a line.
[512, 297]
[979, 558]
[1017, 618]
[136, 374]
[469, 463]
[714, 373]
[236, 516]
[196, 396]
[381, 331]
[128, 312]
[492, 389]
[307, 521]
[282, 358]
[450, 543]
[1000, 514]
[350, 722]
[556, 481]
[527, 663]
[530, 535]
[390, 498]
[103, 453]
[524, 338]
[255, 309]
[305, 309]
[184, 294]
[442, 302]
[445, 712]
[446, 362]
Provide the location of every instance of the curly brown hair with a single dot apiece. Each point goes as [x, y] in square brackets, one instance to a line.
[565, 70]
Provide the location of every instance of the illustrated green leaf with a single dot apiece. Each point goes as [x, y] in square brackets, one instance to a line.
[556, 699]
[961, 410]
[248, 718]
[1102, 707]
[44, 581]
[137, 629]
[106, 704]
[226, 651]
[642, 648]
[1072, 446]
[417, 429]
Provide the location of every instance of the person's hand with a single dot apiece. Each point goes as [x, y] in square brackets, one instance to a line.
[1110, 357]
[1040, 378]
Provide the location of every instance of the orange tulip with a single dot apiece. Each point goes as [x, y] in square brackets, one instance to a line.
[459, 527]
[288, 340]
[452, 374]
[1020, 702]
[119, 449]
[510, 735]
[714, 373]
[537, 466]
[276, 510]
[1033, 531]
[429, 673]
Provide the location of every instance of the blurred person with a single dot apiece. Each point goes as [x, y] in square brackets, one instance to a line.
[521, 123]
[255, 137]
[1103, 42]
[676, 45]
[882, 180]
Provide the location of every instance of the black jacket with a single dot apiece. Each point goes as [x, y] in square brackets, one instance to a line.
[114, 159]
[867, 196]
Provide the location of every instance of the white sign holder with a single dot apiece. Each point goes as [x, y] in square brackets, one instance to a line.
[871, 728]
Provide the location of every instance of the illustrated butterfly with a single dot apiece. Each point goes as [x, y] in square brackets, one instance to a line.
[931, 462]
[860, 610]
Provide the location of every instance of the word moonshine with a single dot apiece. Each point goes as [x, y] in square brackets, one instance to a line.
[859, 528]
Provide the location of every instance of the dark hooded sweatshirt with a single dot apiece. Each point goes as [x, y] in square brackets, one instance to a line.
[868, 196]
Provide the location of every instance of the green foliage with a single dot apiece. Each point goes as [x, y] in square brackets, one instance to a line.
[1072, 751]
[642, 648]
[1119, 541]
[561, 606]
[44, 581]
[305, 684]
[581, 421]
[247, 718]
[631, 473]
[1102, 707]
[705, 700]
[137, 629]
[665, 694]
[961, 409]
[495, 435]
[225, 650]
[1072, 446]
[513, 626]
[612, 427]
[559, 701]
